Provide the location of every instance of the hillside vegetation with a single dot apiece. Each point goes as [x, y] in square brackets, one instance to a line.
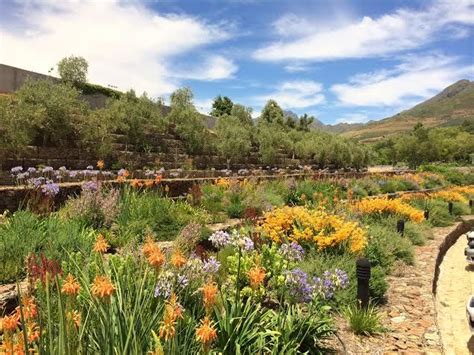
[452, 106]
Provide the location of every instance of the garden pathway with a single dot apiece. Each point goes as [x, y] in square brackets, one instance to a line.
[410, 311]
[455, 285]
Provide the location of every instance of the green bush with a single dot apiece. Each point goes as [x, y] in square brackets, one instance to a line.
[26, 233]
[363, 321]
[417, 233]
[378, 286]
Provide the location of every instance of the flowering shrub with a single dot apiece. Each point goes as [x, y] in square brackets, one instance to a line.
[381, 206]
[300, 224]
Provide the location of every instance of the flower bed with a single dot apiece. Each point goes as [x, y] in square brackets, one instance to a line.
[100, 282]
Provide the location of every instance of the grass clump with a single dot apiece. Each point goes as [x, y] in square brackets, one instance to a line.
[363, 321]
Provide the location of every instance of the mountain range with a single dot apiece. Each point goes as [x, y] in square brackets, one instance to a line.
[452, 106]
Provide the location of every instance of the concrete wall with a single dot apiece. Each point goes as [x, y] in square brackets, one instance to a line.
[11, 78]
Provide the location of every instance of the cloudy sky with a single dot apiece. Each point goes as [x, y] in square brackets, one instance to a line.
[342, 61]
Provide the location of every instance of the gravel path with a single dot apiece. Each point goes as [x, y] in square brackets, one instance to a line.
[455, 285]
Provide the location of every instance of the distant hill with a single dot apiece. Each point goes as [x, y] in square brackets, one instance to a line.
[450, 107]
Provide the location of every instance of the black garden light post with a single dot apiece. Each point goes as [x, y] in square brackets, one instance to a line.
[470, 203]
[450, 207]
[363, 278]
[426, 214]
[401, 226]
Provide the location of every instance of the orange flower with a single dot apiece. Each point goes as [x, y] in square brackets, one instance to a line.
[149, 183]
[209, 292]
[70, 286]
[256, 276]
[75, 318]
[173, 311]
[28, 307]
[101, 244]
[33, 332]
[120, 178]
[10, 323]
[135, 183]
[177, 259]
[149, 246]
[206, 333]
[158, 179]
[102, 287]
[100, 164]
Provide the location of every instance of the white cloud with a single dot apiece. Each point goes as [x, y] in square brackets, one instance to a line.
[204, 106]
[353, 118]
[415, 79]
[296, 94]
[215, 67]
[402, 30]
[126, 44]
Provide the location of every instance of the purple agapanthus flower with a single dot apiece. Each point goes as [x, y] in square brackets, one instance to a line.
[331, 282]
[73, 173]
[89, 186]
[31, 170]
[121, 172]
[22, 176]
[182, 281]
[90, 167]
[16, 170]
[220, 239]
[293, 251]
[299, 286]
[211, 266]
[50, 189]
[47, 169]
[163, 288]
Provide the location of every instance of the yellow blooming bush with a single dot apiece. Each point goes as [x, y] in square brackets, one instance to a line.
[449, 196]
[296, 224]
[386, 206]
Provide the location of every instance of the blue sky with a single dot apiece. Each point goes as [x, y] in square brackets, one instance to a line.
[341, 61]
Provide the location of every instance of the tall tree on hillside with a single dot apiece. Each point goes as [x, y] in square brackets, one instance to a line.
[244, 114]
[73, 69]
[221, 106]
[272, 113]
[305, 122]
[233, 138]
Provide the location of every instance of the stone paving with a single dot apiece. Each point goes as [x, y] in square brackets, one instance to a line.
[410, 311]
[455, 285]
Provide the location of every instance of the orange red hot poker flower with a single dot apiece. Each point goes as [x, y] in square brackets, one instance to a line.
[70, 286]
[206, 333]
[102, 287]
[153, 253]
[101, 245]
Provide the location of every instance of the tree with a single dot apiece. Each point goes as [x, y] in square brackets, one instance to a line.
[272, 113]
[270, 138]
[305, 122]
[233, 138]
[53, 111]
[188, 121]
[244, 114]
[221, 106]
[73, 69]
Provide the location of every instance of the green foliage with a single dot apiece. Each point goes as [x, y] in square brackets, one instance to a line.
[222, 106]
[141, 213]
[133, 116]
[244, 114]
[378, 286]
[272, 113]
[233, 138]
[424, 145]
[73, 69]
[26, 233]
[49, 113]
[363, 321]
[188, 121]
[270, 139]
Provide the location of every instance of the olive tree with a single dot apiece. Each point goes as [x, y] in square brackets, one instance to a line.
[233, 139]
[73, 69]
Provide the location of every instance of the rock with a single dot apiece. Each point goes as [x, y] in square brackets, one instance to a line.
[399, 319]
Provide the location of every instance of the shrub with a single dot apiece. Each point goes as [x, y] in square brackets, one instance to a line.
[417, 233]
[377, 285]
[363, 321]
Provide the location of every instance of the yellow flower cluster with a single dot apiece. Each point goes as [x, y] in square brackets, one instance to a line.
[223, 182]
[288, 224]
[449, 195]
[384, 205]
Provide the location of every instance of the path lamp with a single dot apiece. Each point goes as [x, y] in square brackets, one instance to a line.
[363, 278]
[471, 203]
[426, 214]
[450, 207]
[401, 226]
